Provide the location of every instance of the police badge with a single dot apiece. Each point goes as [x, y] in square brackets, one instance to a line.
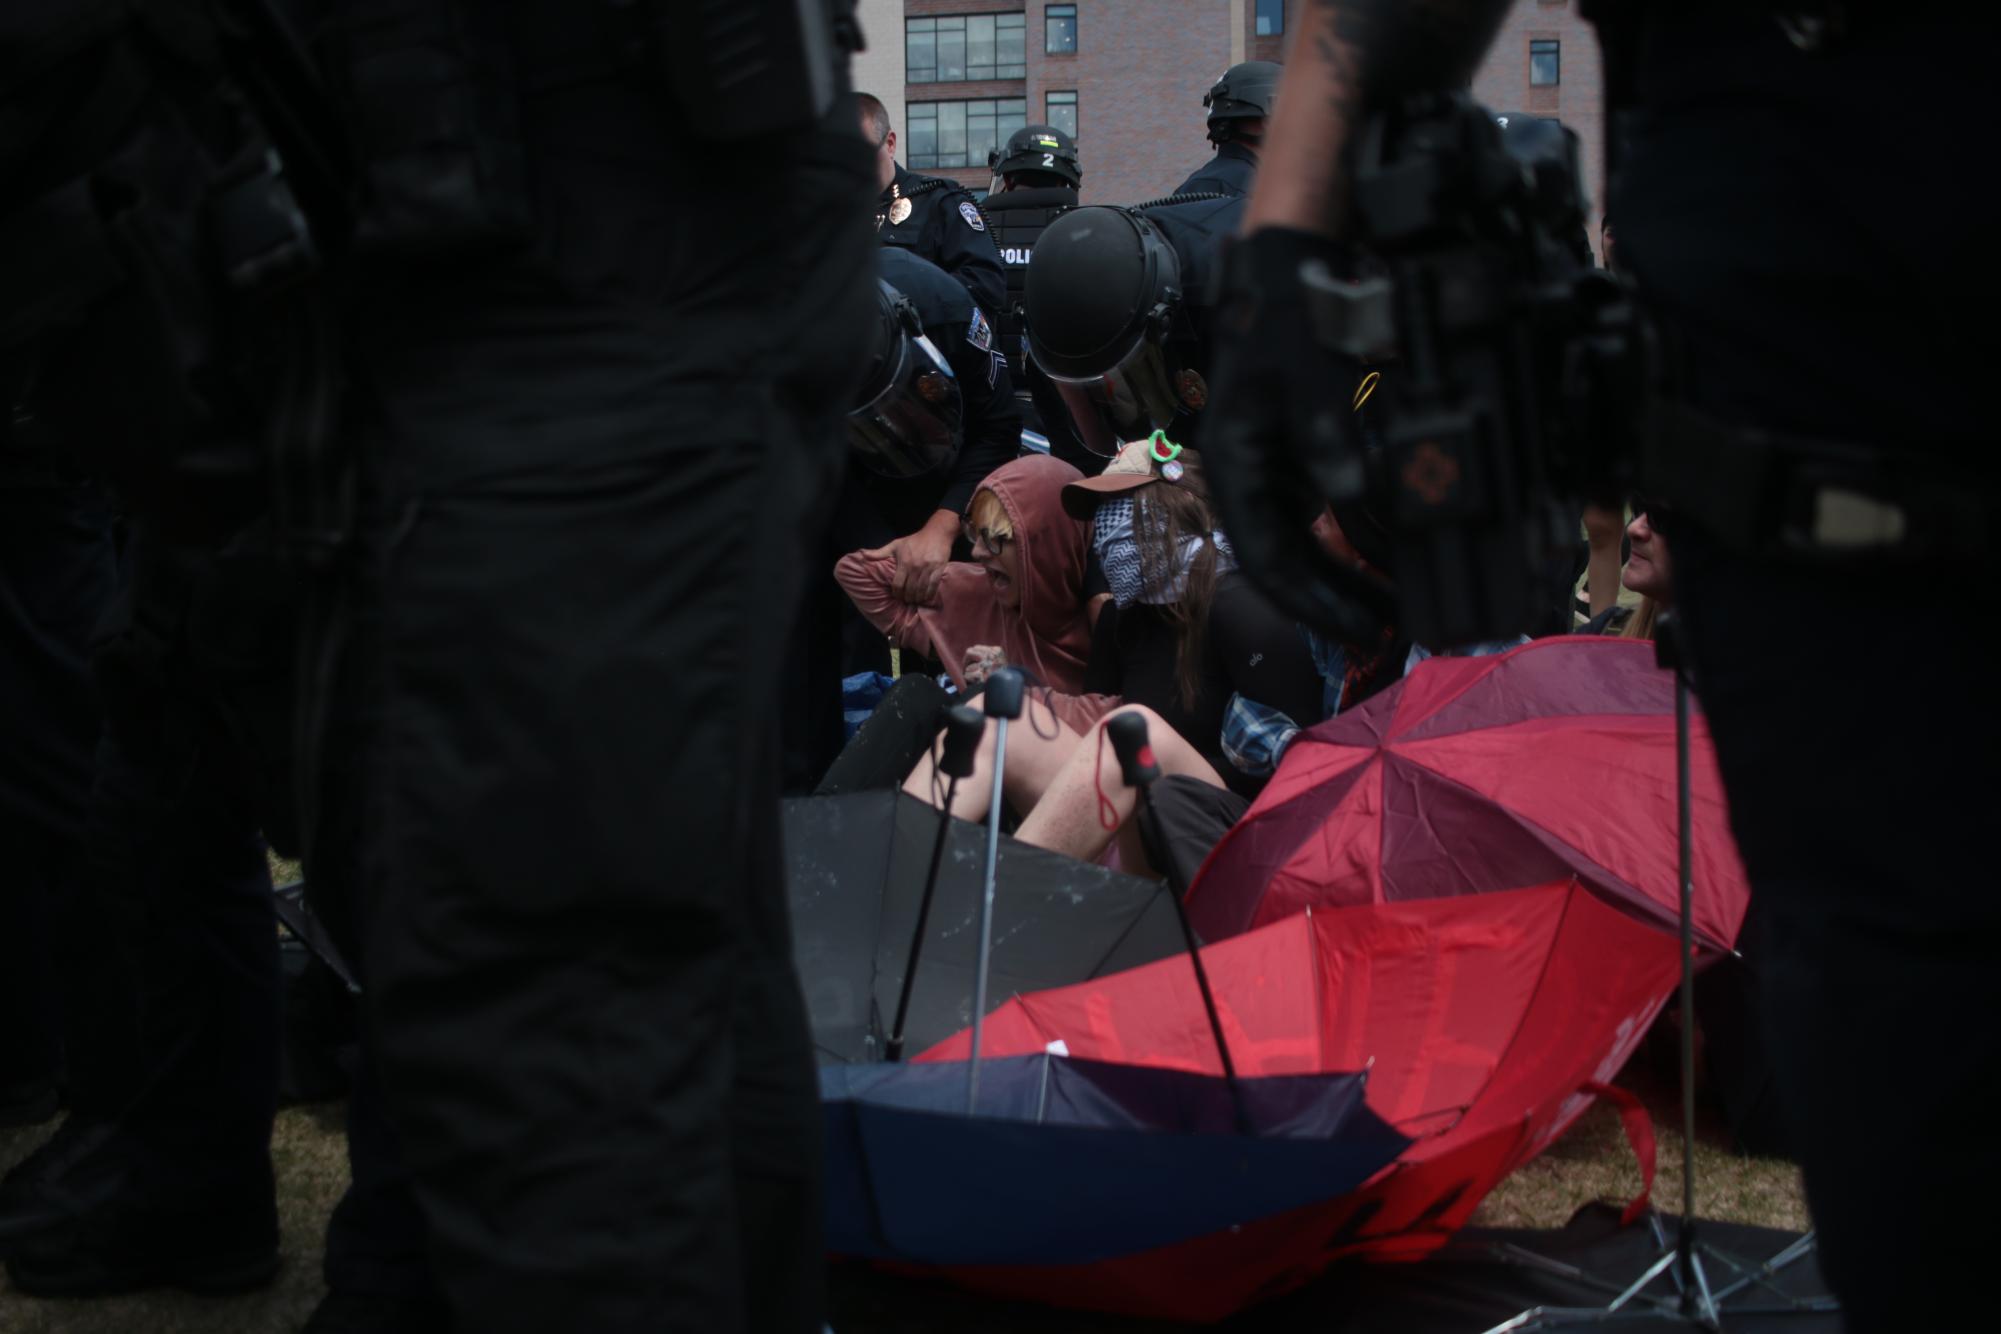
[899, 207]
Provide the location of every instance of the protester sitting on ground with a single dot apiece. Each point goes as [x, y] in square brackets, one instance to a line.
[1020, 600]
[1647, 573]
[1184, 632]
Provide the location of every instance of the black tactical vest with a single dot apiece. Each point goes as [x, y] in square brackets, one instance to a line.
[1018, 218]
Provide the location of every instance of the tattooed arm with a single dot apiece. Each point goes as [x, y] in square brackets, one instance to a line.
[1346, 57]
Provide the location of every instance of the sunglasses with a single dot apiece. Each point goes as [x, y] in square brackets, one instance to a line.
[977, 537]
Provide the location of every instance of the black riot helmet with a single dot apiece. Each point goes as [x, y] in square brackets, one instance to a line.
[1103, 305]
[1039, 150]
[1548, 152]
[908, 414]
[1245, 92]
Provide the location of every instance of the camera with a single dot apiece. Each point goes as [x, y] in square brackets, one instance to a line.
[1520, 370]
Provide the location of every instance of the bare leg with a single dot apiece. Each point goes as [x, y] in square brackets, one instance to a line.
[1070, 817]
[1034, 757]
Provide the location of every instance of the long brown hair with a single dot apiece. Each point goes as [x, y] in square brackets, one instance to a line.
[1165, 514]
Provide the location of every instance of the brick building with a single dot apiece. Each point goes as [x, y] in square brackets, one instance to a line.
[1127, 76]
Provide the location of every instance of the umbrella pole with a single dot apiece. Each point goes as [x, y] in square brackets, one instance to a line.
[1003, 703]
[963, 728]
[1136, 764]
[1695, 1303]
[1696, 1299]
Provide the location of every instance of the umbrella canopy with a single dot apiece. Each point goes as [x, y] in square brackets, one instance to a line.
[1070, 1162]
[1483, 1022]
[856, 869]
[1553, 761]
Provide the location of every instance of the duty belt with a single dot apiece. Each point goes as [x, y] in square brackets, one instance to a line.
[1785, 494]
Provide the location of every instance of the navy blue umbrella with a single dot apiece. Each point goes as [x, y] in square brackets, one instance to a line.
[1074, 1161]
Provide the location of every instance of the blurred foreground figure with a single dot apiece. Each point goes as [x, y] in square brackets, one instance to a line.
[607, 316]
[1821, 442]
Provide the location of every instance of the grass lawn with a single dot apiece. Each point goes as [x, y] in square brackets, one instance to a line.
[1589, 1163]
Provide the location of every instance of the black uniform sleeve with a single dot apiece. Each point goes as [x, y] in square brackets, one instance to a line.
[1104, 672]
[1263, 652]
[968, 252]
[992, 421]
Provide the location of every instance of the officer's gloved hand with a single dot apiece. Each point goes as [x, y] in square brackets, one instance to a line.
[1279, 437]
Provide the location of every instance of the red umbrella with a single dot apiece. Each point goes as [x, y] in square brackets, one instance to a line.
[1484, 1024]
[1552, 761]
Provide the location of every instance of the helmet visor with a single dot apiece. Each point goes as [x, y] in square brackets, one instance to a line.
[911, 427]
[1128, 402]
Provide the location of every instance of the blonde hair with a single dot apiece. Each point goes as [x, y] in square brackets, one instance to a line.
[1640, 625]
[987, 513]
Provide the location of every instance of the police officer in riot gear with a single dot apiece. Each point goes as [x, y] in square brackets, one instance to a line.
[934, 415]
[1036, 177]
[1118, 323]
[158, 273]
[907, 497]
[1821, 432]
[1238, 104]
[936, 218]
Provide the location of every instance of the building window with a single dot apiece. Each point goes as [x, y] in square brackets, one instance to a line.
[960, 134]
[965, 47]
[1271, 18]
[1545, 64]
[1061, 109]
[1059, 29]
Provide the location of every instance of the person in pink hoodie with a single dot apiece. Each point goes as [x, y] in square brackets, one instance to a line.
[1020, 601]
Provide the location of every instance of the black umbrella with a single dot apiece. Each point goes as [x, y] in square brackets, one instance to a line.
[857, 866]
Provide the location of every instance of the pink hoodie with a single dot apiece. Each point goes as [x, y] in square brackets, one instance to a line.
[1048, 635]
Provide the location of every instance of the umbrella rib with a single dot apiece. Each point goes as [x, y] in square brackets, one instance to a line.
[1131, 926]
[882, 906]
[1598, 873]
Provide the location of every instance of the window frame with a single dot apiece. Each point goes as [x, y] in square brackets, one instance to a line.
[932, 29]
[1000, 116]
[920, 27]
[1049, 105]
[1553, 48]
[1048, 18]
[1258, 11]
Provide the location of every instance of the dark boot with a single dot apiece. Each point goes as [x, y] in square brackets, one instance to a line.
[76, 1170]
[211, 1238]
[370, 1313]
[29, 1102]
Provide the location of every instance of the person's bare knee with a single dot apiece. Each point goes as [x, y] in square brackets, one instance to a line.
[1172, 751]
[969, 800]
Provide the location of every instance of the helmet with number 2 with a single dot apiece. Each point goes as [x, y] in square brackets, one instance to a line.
[1038, 148]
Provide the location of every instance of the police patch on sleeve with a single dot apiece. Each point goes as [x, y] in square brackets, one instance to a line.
[971, 213]
[980, 333]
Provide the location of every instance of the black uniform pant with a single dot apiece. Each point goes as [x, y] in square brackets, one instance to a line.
[831, 640]
[188, 994]
[1855, 725]
[58, 571]
[578, 968]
